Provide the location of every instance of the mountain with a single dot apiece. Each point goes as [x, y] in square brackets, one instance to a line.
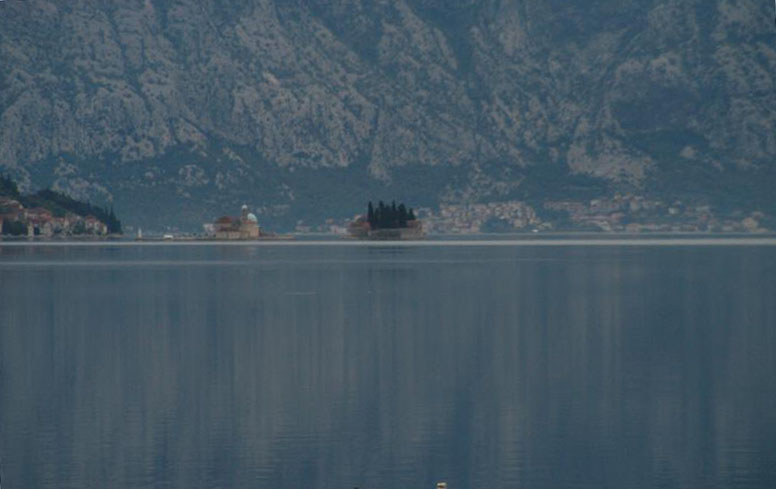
[179, 111]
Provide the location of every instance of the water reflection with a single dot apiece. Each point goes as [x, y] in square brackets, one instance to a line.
[380, 368]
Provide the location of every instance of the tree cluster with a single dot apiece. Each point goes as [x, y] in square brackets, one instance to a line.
[389, 216]
[8, 187]
[13, 228]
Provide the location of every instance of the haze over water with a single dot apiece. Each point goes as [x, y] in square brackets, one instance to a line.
[385, 367]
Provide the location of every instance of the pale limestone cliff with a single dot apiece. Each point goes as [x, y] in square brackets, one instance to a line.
[204, 103]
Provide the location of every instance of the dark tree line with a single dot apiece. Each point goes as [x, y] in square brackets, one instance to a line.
[8, 187]
[389, 216]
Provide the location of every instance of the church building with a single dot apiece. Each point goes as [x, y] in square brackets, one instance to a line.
[244, 227]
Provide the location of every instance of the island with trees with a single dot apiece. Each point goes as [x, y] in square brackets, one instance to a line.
[386, 222]
[52, 214]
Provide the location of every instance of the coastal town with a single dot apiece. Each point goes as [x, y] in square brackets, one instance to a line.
[16, 220]
[617, 214]
[50, 214]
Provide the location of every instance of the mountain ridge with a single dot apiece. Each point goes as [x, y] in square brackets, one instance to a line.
[198, 106]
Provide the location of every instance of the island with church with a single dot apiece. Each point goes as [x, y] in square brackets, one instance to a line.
[243, 228]
[386, 222]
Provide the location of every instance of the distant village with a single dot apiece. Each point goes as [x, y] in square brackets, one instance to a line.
[622, 213]
[49, 214]
[16, 220]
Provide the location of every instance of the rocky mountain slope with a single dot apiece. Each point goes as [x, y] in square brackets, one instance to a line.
[178, 110]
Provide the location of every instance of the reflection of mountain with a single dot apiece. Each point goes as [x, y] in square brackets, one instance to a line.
[301, 367]
[312, 106]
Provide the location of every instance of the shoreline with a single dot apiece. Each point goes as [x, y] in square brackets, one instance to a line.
[565, 240]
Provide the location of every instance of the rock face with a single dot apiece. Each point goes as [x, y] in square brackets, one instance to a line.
[179, 110]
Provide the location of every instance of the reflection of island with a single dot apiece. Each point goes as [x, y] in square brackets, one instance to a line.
[386, 222]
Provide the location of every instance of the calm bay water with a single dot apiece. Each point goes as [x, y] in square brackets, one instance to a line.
[386, 367]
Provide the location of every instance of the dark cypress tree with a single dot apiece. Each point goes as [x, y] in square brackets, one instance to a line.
[370, 214]
[381, 215]
[402, 216]
[113, 223]
[389, 216]
[8, 187]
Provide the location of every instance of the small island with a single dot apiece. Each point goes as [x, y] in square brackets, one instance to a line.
[243, 228]
[386, 222]
[49, 214]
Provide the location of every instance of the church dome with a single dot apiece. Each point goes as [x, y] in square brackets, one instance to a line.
[252, 218]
